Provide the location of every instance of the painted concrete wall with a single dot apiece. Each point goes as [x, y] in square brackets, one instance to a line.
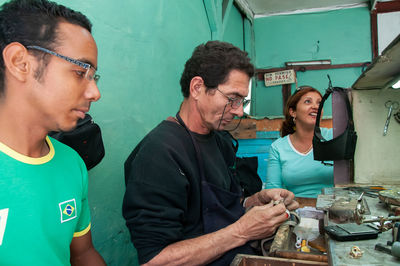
[142, 49]
[375, 160]
[234, 31]
[143, 45]
[342, 36]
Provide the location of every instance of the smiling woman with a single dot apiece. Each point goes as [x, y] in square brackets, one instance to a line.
[291, 164]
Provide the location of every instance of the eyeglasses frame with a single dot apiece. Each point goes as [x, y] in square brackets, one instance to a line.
[243, 101]
[81, 64]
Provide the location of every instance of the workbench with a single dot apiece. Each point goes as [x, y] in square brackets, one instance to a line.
[338, 251]
[284, 257]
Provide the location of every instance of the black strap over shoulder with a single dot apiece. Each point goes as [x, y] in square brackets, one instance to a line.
[343, 146]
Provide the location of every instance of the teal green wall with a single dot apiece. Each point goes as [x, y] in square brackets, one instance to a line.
[342, 36]
[143, 46]
[233, 31]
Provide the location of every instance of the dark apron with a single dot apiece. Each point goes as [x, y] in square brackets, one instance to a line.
[220, 207]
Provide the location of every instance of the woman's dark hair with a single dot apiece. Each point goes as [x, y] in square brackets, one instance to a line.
[34, 22]
[213, 62]
[288, 126]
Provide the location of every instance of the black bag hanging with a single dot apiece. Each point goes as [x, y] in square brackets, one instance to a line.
[246, 174]
[343, 146]
[244, 169]
[85, 139]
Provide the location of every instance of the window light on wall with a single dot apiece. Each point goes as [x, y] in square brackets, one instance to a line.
[248, 97]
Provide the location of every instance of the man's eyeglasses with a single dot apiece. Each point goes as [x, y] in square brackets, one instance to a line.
[90, 73]
[236, 102]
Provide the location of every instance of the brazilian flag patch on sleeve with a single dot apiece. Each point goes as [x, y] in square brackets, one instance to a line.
[67, 210]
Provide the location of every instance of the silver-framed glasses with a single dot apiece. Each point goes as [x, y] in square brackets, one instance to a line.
[236, 102]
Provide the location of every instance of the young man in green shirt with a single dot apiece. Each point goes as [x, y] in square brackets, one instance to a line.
[47, 82]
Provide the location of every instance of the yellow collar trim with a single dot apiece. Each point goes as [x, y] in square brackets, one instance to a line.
[26, 159]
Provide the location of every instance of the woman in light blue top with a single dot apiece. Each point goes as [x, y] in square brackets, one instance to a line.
[291, 162]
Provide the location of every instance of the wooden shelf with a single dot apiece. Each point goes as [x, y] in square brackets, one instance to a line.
[249, 127]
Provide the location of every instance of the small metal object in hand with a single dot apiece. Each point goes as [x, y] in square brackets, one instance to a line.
[276, 202]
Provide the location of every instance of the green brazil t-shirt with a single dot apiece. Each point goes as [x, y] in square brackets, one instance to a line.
[43, 205]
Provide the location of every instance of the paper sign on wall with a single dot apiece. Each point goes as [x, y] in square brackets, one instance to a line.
[280, 77]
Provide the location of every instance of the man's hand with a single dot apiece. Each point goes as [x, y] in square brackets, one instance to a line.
[276, 194]
[266, 196]
[268, 212]
[261, 221]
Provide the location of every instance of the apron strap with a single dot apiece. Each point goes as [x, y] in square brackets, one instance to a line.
[196, 147]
